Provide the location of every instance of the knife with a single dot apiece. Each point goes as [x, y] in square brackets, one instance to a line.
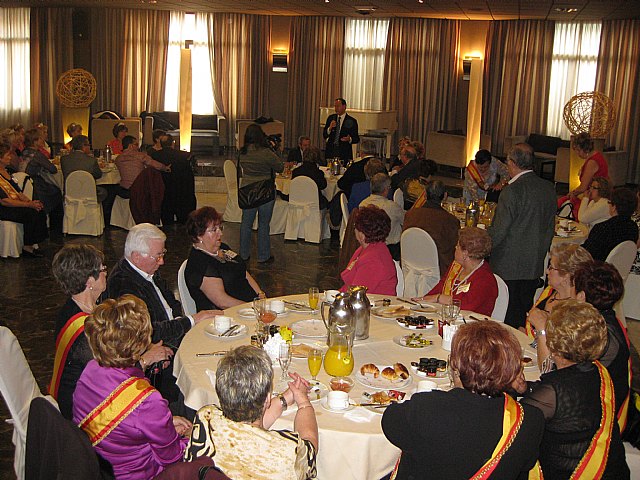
[410, 302]
[298, 306]
[220, 353]
[230, 330]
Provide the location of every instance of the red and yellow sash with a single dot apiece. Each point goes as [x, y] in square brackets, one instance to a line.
[594, 460]
[511, 422]
[472, 168]
[71, 330]
[420, 201]
[115, 408]
[530, 331]
[8, 189]
[452, 274]
[624, 408]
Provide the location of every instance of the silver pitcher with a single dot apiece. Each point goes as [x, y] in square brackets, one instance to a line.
[335, 165]
[361, 310]
[341, 316]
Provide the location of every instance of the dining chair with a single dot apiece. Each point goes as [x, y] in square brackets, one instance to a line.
[419, 259]
[82, 210]
[345, 215]
[400, 276]
[188, 303]
[304, 217]
[622, 257]
[502, 302]
[398, 197]
[11, 239]
[232, 212]
[25, 183]
[121, 214]
[18, 388]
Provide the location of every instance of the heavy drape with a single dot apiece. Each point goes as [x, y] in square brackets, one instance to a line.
[129, 59]
[239, 47]
[316, 59]
[618, 77]
[421, 74]
[517, 71]
[51, 45]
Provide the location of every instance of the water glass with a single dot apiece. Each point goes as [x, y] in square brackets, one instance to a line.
[284, 358]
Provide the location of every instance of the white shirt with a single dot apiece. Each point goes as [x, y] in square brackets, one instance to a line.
[519, 175]
[592, 212]
[395, 212]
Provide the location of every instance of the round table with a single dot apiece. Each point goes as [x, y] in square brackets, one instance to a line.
[110, 176]
[283, 184]
[352, 444]
[579, 235]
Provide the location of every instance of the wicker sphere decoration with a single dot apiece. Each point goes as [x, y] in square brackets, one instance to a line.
[590, 112]
[76, 88]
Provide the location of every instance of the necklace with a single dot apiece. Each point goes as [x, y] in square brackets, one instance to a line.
[213, 254]
[85, 308]
[458, 280]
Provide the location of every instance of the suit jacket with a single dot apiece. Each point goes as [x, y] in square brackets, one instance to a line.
[523, 228]
[410, 170]
[78, 160]
[354, 174]
[124, 279]
[147, 193]
[179, 185]
[295, 155]
[348, 127]
[311, 170]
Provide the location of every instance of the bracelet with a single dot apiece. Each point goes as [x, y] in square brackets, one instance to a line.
[306, 405]
[143, 364]
[541, 333]
[283, 401]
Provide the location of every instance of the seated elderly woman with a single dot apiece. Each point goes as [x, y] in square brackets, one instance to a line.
[564, 260]
[371, 264]
[145, 438]
[216, 276]
[581, 439]
[79, 269]
[237, 434]
[594, 207]
[469, 278]
[462, 427]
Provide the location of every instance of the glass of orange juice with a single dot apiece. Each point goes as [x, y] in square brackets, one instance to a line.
[314, 359]
[314, 297]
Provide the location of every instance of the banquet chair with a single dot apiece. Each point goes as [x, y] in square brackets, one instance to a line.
[18, 388]
[345, 215]
[400, 277]
[121, 214]
[304, 217]
[25, 182]
[82, 211]
[502, 302]
[188, 304]
[632, 456]
[622, 257]
[232, 212]
[11, 239]
[419, 259]
[398, 197]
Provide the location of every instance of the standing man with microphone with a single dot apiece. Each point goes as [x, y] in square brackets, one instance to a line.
[340, 132]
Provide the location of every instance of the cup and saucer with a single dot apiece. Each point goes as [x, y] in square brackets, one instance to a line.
[336, 402]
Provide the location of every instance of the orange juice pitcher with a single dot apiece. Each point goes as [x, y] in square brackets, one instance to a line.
[338, 361]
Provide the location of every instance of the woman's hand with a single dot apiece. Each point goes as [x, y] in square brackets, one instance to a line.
[538, 318]
[298, 390]
[182, 426]
[36, 205]
[157, 353]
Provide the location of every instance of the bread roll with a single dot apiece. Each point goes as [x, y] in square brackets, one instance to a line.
[390, 374]
[401, 370]
[370, 368]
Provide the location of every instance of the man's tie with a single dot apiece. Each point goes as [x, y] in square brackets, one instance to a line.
[336, 140]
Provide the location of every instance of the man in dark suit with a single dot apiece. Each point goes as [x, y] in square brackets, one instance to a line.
[409, 169]
[79, 159]
[522, 231]
[297, 155]
[340, 132]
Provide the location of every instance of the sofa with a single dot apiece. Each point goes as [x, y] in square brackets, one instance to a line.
[451, 148]
[208, 132]
[567, 168]
[545, 148]
[101, 131]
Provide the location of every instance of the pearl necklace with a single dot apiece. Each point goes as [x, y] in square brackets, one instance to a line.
[83, 306]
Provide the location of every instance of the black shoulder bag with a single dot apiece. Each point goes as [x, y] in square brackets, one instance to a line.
[257, 193]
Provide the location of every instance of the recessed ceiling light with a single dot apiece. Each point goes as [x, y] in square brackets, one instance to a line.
[420, 1]
[566, 9]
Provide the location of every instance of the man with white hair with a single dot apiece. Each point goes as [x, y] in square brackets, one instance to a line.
[137, 274]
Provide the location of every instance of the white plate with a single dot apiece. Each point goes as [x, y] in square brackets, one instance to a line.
[212, 332]
[323, 404]
[246, 313]
[534, 361]
[387, 312]
[402, 341]
[311, 328]
[318, 391]
[381, 383]
[419, 329]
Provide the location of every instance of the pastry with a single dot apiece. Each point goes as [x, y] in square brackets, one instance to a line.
[381, 398]
[300, 350]
[390, 374]
[401, 370]
[370, 368]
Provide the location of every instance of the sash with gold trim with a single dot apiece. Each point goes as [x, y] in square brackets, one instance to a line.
[594, 461]
[529, 330]
[624, 408]
[8, 189]
[420, 201]
[69, 333]
[452, 274]
[126, 397]
[472, 168]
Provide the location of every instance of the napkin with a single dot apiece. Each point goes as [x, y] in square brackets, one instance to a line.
[448, 331]
[212, 376]
[360, 415]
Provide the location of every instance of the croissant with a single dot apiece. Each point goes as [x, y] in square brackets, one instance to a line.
[390, 374]
[401, 370]
[370, 368]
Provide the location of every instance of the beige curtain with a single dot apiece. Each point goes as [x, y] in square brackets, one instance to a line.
[421, 74]
[239, 48]
[618, 77]
[51, 43]
[316, 60]
[517, 72]
[129, 59]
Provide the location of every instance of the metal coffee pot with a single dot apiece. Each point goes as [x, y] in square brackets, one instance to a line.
[341, 317]
[361, 310]
[335, 164]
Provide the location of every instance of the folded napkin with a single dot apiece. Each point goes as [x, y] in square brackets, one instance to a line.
[212, 376]
[360, 415]
[448, 331]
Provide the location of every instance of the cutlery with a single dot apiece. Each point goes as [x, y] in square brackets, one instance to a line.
[220, 353]
[298, 306]
[376, 405]
[474, 318]
[410, 302]
[231, 330]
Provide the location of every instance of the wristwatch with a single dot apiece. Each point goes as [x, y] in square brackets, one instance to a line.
[283, 401]
[541, 333]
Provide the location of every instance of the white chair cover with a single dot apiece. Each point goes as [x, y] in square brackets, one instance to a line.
[25, 183]
[18, 387]
[82, 211]
[304, 218]
[631, 298]
[278, 222]
[345, 215]
[398, 197]
[232, 212]
[502, 302]
[622, 257]
[632, 455]
[188, 304]
[11, 239]
[420, 265]
[121, 214]
[400, 277]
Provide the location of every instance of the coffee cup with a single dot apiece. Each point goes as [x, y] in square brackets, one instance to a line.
[277, 306]
[330, 295]
[338, 400]
[222, 323]
[426, 386]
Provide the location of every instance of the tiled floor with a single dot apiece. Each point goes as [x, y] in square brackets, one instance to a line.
[30, 297]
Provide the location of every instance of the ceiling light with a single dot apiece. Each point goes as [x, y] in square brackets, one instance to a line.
[420, 1]
[566, 9]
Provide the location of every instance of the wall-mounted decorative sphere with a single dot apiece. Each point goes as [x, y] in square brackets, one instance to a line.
[590, 112]
[76, 88]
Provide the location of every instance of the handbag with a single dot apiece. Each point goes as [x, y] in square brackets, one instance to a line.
[257, 193]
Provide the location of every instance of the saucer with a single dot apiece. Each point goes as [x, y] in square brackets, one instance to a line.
[324, 404]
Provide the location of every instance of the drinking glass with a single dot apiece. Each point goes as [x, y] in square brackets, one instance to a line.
[284, 358]
[314, 297]
[450, 372]
[263, 314]
[454, 309]
[314, 359]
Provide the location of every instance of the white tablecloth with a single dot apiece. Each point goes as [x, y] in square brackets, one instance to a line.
[110, 176]
[579, 235]
[283, 184]
[352, 445]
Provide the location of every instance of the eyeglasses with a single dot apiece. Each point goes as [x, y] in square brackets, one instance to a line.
[103, 268]
[158, 257]
[216, 229]
[594, 188]
[551, 267]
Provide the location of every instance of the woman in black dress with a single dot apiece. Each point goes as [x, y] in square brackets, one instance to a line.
[216, 276]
